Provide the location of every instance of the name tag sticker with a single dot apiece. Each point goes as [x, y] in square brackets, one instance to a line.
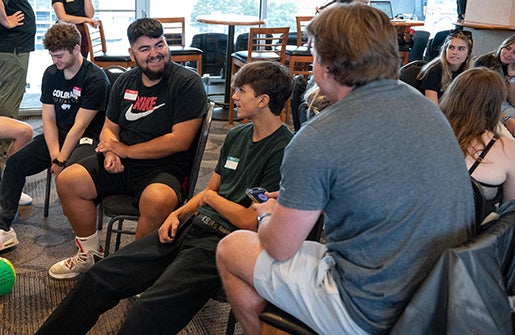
[130, 95]
[76, 91]
[232, 163]
[86, 140]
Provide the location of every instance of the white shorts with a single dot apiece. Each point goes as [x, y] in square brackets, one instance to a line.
[304, 287]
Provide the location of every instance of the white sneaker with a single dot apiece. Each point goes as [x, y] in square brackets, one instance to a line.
[25, 200]
[8, 239]
[73, 267]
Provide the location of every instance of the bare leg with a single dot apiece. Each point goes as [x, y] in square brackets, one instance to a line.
[77, 191]
[19, 132]
[156, 202]
[236, 256]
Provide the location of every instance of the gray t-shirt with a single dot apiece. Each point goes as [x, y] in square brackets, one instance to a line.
[385, 166]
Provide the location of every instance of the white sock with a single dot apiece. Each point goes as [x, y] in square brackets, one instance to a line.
[88, 243]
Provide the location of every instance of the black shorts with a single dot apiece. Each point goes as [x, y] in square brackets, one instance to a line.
[131, 182]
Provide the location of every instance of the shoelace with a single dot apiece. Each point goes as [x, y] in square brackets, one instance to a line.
[78, 258]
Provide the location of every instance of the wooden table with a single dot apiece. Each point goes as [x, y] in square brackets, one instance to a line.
[230, 20]
[407, 23]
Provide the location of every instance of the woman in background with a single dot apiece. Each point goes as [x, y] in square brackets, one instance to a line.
[77, 12]
[503, 61]
[455, 58]
[472, 104]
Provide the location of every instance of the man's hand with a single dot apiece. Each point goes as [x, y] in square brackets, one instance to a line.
[114, 146]
[56, 169]
[15, 20]
[113, 163]
[168, 229]
[94, 23]
[267, 206]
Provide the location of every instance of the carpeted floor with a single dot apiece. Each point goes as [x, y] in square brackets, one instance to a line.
[43, 241]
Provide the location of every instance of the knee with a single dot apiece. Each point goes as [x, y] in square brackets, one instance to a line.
[158, 199]
[25, 135]
[233, 245]
[74, 180]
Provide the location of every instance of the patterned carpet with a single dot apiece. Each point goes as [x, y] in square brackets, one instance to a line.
[43, 241]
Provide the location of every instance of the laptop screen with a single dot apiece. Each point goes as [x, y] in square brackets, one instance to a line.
[383, 5]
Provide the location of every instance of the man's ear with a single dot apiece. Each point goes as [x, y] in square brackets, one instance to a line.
[264, 100]
[131, 53]
[76, 49]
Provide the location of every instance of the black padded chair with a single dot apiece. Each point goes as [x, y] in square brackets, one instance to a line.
[120, 208]
[469, 288]
[409, 73]
[420, 40]
[214, 52]
[434, 45]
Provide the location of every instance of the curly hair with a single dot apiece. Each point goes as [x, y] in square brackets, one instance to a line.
[62, 36]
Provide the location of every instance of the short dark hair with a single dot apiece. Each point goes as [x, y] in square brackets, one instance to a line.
[61, 36]
[267, 77]
[144, 27]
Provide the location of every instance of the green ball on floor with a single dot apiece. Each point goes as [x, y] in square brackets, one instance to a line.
[7, 276]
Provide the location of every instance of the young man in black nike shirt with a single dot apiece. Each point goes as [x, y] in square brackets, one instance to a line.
[145, 149]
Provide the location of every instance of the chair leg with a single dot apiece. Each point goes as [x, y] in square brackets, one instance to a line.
[109, 231]
[119, 235]
[405, 57]
[100, 216]
[47, 192]
[231, 323]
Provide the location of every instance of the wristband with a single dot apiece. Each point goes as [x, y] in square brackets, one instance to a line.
[261, 217]
[59, 163]
[505, 119]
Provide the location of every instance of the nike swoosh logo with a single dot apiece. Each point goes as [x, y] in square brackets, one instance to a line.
[129, 115]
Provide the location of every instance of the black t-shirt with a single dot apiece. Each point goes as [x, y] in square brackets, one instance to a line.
[87, 89]
[20, 38]
[433, 79]
[72, 7]
[144, 113]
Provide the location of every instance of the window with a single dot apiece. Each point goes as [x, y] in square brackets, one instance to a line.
[116, 15]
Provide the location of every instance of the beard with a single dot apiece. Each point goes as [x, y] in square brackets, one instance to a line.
[155, 75]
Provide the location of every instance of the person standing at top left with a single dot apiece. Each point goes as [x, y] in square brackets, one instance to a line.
[17, 34]
[76, 12]
[74, 98]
